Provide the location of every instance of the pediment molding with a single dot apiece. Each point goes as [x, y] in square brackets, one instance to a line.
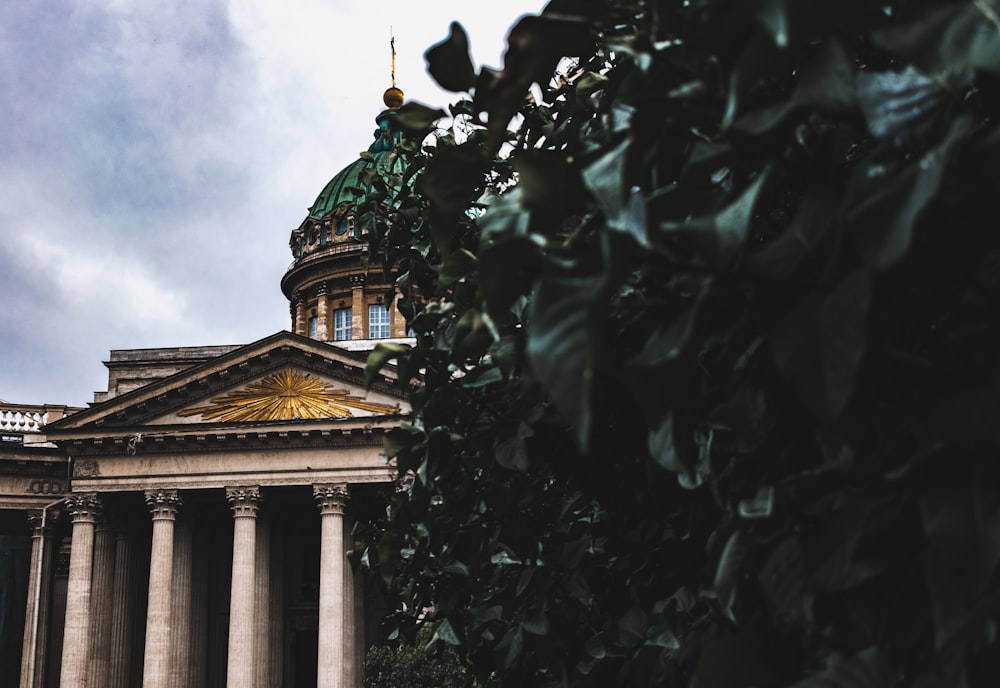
[335, 376]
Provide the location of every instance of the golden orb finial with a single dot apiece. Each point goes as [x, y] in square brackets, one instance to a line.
[393, 97]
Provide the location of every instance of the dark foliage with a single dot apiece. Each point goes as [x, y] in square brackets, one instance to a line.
[709, 390]
[405, 665]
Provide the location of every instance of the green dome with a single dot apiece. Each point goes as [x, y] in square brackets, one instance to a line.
[344, 186]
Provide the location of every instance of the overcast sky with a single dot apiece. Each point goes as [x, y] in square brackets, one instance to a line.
[154, 158]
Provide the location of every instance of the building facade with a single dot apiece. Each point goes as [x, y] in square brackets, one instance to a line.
[192, 527]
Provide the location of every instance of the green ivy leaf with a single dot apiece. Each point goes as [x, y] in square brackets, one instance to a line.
[444, 631]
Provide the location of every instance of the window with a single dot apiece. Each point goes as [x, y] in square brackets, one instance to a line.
[378, 321]
[341, 324]
[313, 326]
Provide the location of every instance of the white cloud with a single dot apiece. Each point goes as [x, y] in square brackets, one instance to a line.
[155, 157]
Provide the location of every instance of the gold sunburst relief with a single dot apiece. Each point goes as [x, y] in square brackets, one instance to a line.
[286, 395]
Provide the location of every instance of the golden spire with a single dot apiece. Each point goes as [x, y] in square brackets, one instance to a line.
[392, 97]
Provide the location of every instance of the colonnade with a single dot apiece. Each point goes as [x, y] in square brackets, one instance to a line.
[96, 652]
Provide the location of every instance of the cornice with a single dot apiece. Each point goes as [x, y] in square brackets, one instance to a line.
[162, 440]
[139, 406]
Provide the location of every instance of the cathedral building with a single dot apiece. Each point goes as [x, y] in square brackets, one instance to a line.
[191, 527]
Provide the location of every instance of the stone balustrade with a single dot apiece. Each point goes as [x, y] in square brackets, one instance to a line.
[29, 418]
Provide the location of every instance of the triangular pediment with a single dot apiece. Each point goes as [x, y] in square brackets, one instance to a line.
[288, 393]
[282, 379]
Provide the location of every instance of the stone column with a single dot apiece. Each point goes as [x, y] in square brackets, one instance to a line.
[277, 604]
[262, 608]
[101, 604]
[300, 324]
[359, 626]
[397, 323]
[84, 508]
[200, 567]
[323, 313]
[359, 311]
[124, 599]
[36, 616]
[180, 603]
[330, 666]
[350, 667]
[240, 667]
[156, 658]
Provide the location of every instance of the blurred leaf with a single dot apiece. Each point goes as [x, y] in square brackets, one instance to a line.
[510, 449]
[505, 271]
[812, 221]
[717, 238]
[415, 118]
[782, 578]
[825, 83]
[547, 182]
[632, 627]
[902, 105]
[624, 208]
[535, 45]
[563, 342]
[773, 16]
[381, 355]
[883, 221]
[397, 439]
[662, 448]
[457, 265]
[536, 623]
[947, 39]
[444, 631]
[728, 571]
[818, 346]
[448, 62]
[667, 342]
[481, 377]
[589, 83]
[867, 669]
[962, 523]
[760, 56]
[730, 661]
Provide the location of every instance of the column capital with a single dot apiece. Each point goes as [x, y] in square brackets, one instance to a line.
[244, 501]
[163, 504]
[35, 521]
[331, 498]
[322, 289]
[357, 281]
[84, 507]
